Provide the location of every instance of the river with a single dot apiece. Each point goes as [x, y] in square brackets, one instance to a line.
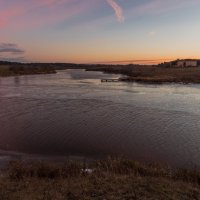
[72, 113]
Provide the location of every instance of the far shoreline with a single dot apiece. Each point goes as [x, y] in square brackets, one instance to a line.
[145, 74]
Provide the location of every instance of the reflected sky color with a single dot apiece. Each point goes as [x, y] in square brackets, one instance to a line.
[71, 113]
[90, 31]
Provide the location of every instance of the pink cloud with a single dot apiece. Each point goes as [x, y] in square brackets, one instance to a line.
[117, 9]
[9, 14]
[51, 16]
[2, 23]
[35, 13]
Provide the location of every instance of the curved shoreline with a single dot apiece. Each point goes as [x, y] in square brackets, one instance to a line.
[134, 73]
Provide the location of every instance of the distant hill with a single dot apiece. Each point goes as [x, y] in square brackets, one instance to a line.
[7, 63]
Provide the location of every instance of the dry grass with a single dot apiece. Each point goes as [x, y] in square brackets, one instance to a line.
[137, 73]
[156, 74]
[20, 69]
[112, 178]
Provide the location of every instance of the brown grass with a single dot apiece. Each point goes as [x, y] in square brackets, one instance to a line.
[155, 74]
[112, 178]
[135, 73]
[19, 69]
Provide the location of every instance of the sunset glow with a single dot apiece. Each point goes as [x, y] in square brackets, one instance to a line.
[99, 31]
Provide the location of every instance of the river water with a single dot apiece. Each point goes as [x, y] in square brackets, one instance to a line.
[72, 113]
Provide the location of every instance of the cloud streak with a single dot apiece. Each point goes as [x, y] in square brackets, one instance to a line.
[10, 48]
[118, 10]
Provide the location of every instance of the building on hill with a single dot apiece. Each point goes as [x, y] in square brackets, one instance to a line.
[182, 63]
[186, 63]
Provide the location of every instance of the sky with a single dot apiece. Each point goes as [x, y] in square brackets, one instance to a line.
[99, 31]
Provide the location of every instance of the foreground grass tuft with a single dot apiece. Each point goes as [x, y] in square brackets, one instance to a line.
[112, 178]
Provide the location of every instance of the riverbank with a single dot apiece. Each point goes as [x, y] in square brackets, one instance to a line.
[154, 74]
[20, 69]
[16, 69]
[134, 73]
[115, 178]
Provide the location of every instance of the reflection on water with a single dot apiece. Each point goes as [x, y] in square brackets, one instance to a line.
[17, 80]
[73, 113]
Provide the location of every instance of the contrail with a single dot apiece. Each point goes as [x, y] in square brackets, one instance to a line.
[117, 9]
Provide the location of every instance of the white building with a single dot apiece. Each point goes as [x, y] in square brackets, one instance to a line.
[186, 63]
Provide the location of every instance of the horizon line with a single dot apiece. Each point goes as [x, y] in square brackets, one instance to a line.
[126, 62]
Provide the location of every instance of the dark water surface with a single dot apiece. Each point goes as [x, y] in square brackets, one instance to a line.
[73, 113]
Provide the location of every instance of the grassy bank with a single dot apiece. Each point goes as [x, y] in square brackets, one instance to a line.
[15, 69]
[107, 179]
[135, 73]
[155, 74]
